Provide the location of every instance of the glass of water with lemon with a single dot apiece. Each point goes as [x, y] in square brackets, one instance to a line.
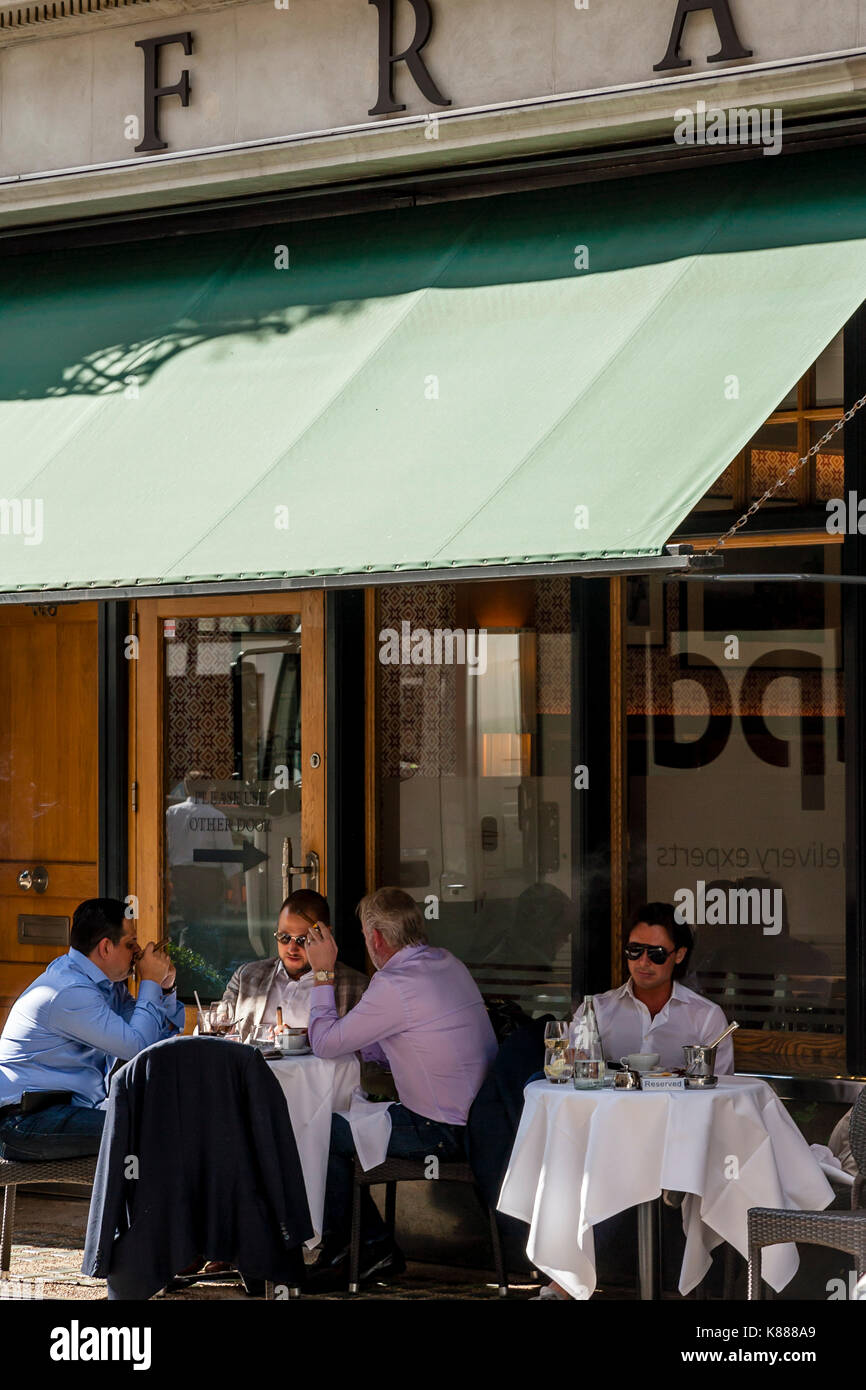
[558, 1054]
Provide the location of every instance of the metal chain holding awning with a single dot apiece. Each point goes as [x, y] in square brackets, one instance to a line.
[787, 476]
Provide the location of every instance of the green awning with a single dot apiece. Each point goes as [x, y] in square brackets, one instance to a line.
[426, 388]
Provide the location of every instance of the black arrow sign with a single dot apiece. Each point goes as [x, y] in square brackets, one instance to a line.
[248, 856]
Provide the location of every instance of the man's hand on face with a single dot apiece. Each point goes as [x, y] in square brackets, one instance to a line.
[321, 947]
[155, 965]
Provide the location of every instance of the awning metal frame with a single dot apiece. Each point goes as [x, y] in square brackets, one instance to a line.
[668, 565]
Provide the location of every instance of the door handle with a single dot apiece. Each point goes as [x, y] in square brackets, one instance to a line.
[310, 870]
[36, 877]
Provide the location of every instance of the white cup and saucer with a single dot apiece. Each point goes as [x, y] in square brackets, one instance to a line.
[293, 1042]
[642, 1062]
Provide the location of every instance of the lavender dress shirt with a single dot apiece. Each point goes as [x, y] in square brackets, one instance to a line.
[422, 1014]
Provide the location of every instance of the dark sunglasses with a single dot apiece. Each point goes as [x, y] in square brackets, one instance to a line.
[285, 939]
[657, 954]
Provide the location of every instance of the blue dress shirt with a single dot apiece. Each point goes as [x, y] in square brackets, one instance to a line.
[67, 1030]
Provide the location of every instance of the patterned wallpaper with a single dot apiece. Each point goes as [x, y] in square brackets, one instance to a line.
[198, 657]
[415, 706]
[198, 702]
[417, 714]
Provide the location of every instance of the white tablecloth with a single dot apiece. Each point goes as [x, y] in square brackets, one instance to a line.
[314, 1089]
[582, 1156]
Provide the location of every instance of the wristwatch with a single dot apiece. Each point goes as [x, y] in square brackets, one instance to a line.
[324, 977]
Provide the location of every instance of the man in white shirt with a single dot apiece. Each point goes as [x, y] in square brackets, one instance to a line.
[653, 1011]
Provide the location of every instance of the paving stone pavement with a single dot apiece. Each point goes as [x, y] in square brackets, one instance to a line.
[49, 1240]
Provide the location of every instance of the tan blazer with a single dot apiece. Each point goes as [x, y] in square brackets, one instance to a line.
[249, 986]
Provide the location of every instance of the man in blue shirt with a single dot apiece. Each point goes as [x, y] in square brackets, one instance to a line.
[67, 1030]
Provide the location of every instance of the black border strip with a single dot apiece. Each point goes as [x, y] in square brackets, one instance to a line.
[113, 680]
[590, 816]
[854, 637]
[345, 774]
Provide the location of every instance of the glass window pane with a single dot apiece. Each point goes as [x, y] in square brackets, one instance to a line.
[736, 800]
[829, 462]
[829, 374]
[475, 787]
[232, 763]
[771, 452]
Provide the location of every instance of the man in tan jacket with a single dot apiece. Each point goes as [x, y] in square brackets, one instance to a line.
[258, 989]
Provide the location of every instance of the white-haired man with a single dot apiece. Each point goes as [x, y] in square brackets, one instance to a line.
[422, 1016]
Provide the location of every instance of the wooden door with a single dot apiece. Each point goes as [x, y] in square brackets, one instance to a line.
[48, 781]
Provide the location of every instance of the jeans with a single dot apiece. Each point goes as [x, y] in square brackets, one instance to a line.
[412, 1136]
[59, 1131]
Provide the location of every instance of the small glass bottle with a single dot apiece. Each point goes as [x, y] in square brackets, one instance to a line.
[588, 1054]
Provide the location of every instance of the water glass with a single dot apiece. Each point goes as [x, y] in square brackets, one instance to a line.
[588, 1073]
[558, 1056]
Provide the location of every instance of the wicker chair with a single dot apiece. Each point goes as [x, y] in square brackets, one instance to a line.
[78, 1171]
[395, 1170]
[837, 1230]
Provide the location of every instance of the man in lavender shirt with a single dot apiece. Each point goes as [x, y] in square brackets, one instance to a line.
[423, 1017]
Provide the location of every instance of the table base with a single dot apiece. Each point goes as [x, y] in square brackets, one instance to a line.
[649, 1250]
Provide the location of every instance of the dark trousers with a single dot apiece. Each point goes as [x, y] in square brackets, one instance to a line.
[59, 1131]
[412, 1136]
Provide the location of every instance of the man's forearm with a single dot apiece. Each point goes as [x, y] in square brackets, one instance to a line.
[376, 1016]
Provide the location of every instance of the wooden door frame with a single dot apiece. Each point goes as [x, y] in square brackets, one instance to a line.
[147, 730]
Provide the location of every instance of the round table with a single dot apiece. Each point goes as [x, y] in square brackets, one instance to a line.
[582, 1156]
[315, 1088]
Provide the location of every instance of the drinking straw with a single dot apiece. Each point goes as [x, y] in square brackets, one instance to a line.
[201, 1026]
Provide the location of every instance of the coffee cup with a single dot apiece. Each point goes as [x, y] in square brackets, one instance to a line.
[292, 1040]
[640, 1061]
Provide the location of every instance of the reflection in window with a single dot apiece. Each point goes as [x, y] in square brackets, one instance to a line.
[233, 788]
[736, 795]
[475, 793]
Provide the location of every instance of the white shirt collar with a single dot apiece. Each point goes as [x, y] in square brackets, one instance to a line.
[285, 978]
[678, 992]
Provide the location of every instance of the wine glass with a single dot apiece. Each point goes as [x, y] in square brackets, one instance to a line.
[554, 1031]
[558, 1056]
[207, 1019]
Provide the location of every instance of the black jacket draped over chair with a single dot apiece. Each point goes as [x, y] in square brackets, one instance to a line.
[198, 1160]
